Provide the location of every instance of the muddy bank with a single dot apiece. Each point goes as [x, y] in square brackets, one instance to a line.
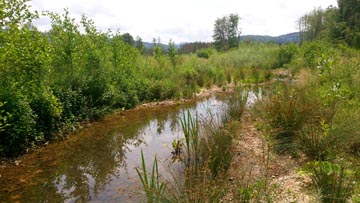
[203, 93]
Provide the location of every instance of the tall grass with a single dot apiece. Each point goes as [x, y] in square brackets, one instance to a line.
[237, 102]
[152, 185]
[190, 127]
[334, 182]
[285, 109]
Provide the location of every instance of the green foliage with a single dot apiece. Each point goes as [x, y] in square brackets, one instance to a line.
[48, 111]
[252, 190]
[286, 54]
[226, 32]
[312, 51]
[193, 47]
[139, 45]
[153, 187]
[316, 140]
[190, 127]
[4, 117]
[349, 17]
[286, 109]
[209, 159]
[335, 24]
[159, 56]
[20, 130]
[255, 55]
[312, 25]
[335, 183]
[177, 146]
[220, 154]
[172, 53]
[204, 53]
[128, 39]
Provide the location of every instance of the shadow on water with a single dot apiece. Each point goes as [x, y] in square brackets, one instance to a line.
[97, 164]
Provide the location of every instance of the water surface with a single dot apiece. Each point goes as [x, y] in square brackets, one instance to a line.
[98, 163]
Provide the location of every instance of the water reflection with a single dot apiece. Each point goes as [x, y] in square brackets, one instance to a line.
[97, 164]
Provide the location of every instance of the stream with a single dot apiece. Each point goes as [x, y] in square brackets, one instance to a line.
[97, 164]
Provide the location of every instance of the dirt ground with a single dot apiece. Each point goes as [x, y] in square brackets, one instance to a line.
[254, 161]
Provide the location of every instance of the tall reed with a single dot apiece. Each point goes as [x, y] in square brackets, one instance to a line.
[190, 127]
[153, 187]
[237, 103]
[334, 182]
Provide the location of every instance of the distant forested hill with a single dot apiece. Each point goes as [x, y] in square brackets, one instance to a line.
[287, 38]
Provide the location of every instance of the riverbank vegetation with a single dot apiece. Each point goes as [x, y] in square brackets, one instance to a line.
[52, 82]
[313, 118]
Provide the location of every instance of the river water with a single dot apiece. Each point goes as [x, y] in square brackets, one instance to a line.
[98, 163]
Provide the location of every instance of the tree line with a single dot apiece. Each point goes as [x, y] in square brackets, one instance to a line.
[338, 24]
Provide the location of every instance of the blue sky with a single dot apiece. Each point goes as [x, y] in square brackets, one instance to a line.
[185, 20]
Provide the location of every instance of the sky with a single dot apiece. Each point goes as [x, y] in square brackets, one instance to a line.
[183, 20]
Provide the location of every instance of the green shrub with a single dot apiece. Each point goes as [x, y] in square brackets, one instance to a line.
[204, 53]
[285, 54]
[73, 102]
[48, 111]
[4, 117]
[162, 89]
[21, 129]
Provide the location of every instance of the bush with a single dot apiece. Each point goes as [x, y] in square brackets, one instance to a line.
[20, 131]
[48, 111]
[73, 102]
[285, 55]
[162, 89]
[204, 53]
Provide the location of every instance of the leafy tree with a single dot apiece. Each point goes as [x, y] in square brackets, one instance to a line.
[139, 45]
[96, 57]
[312, 25]
[220, 38]
[349, 19]
[127, 38]
[22, 72]
[233, 31]
[65, 48]
[172, 53]
[226, 32]
[158, 53]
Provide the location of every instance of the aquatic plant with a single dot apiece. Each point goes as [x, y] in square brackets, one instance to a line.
[236, 104]
[190, 127]
[152, 185]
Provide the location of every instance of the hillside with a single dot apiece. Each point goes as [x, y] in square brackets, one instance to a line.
[287, 38]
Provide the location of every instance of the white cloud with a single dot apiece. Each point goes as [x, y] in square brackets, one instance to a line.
[186, 20]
